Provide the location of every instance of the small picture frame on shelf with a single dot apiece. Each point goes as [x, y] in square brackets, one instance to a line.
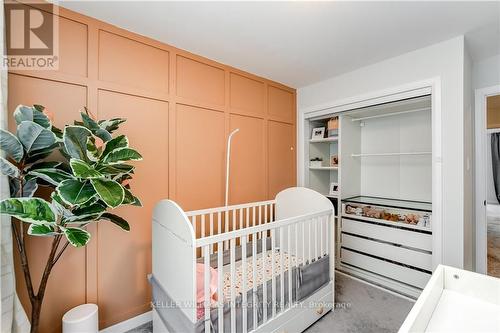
[318, 133]
[334, 189]
[334, 160]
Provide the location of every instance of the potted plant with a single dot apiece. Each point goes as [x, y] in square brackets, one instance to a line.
[90, 180]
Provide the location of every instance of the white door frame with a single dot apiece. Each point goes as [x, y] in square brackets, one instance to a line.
[481, 177]
[432, 86]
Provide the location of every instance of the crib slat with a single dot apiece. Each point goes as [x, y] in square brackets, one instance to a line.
[211, 231]
[315, 226]
[327, 232]
[289, 253]
[234, 218]
[253, 216]
[247, 218]
[322, 236]
[254, 278]
[265, 213]
[206, 250]
[264, 280]
[297, 246]
[309, 241]
[203, 225]
[241, 219]
[303, 224]
[273, 270]
[282, 278]
[226, 228]
[219, 227]
[220, 288]
[233, 283]
[244, 278]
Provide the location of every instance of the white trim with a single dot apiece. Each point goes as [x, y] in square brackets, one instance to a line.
[480, 177]
[430, 86]
[391, 114]
[392, 154]
[129, 324]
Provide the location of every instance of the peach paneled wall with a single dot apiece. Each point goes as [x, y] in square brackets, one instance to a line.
[180, 108]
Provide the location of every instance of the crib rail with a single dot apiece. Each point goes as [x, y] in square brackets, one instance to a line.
[276, 249]
[213, 221]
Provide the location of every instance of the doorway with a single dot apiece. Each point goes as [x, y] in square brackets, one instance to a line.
[488, 181]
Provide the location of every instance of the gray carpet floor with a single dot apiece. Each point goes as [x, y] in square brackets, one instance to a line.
[358, 308]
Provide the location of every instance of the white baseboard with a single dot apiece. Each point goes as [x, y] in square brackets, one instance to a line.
[129, 324]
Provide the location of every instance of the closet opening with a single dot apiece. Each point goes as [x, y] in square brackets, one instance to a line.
[378, 158]
[488, 181]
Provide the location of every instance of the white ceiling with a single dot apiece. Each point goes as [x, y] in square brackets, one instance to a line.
[299, 43]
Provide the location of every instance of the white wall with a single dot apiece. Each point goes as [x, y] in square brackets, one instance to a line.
[486, 73]
[446, 61]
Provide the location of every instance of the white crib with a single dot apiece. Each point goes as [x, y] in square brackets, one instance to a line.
[273, 260]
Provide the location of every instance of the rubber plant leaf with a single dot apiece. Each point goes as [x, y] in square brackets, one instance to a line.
[122, 155]
[34, 114]
[75, 141]
[111, 125]
[34, 137]
[29, 188]
[74, 192]
[82, 170]
[11, 145]
[115, 143]
[109, 191]
[94, 127]
[30, 210]
[116, 169]
[8, 169]
[51, 175]
[76, 236]
[41, 230]
[116, 220]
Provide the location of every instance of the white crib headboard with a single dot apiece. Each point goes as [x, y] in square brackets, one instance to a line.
[295, 201]
[173, 253]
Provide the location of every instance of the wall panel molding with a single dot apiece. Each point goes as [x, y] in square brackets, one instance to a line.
[180, 107]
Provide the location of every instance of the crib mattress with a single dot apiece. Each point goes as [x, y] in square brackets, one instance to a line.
[264, 271]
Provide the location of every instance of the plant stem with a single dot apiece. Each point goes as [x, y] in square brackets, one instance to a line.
[60, 253]
[36, 302]
[24, 261]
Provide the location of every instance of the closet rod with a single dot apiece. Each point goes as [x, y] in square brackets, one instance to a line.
[392, 154]
[391, 114]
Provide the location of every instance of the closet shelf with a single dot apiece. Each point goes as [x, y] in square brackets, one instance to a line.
[392, 154]
[331, 139]
[390, 114]
[323, 168]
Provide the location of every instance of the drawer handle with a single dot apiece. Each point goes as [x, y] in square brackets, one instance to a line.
[319, 310]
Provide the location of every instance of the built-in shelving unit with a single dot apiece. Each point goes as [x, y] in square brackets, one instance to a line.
[384, 178]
